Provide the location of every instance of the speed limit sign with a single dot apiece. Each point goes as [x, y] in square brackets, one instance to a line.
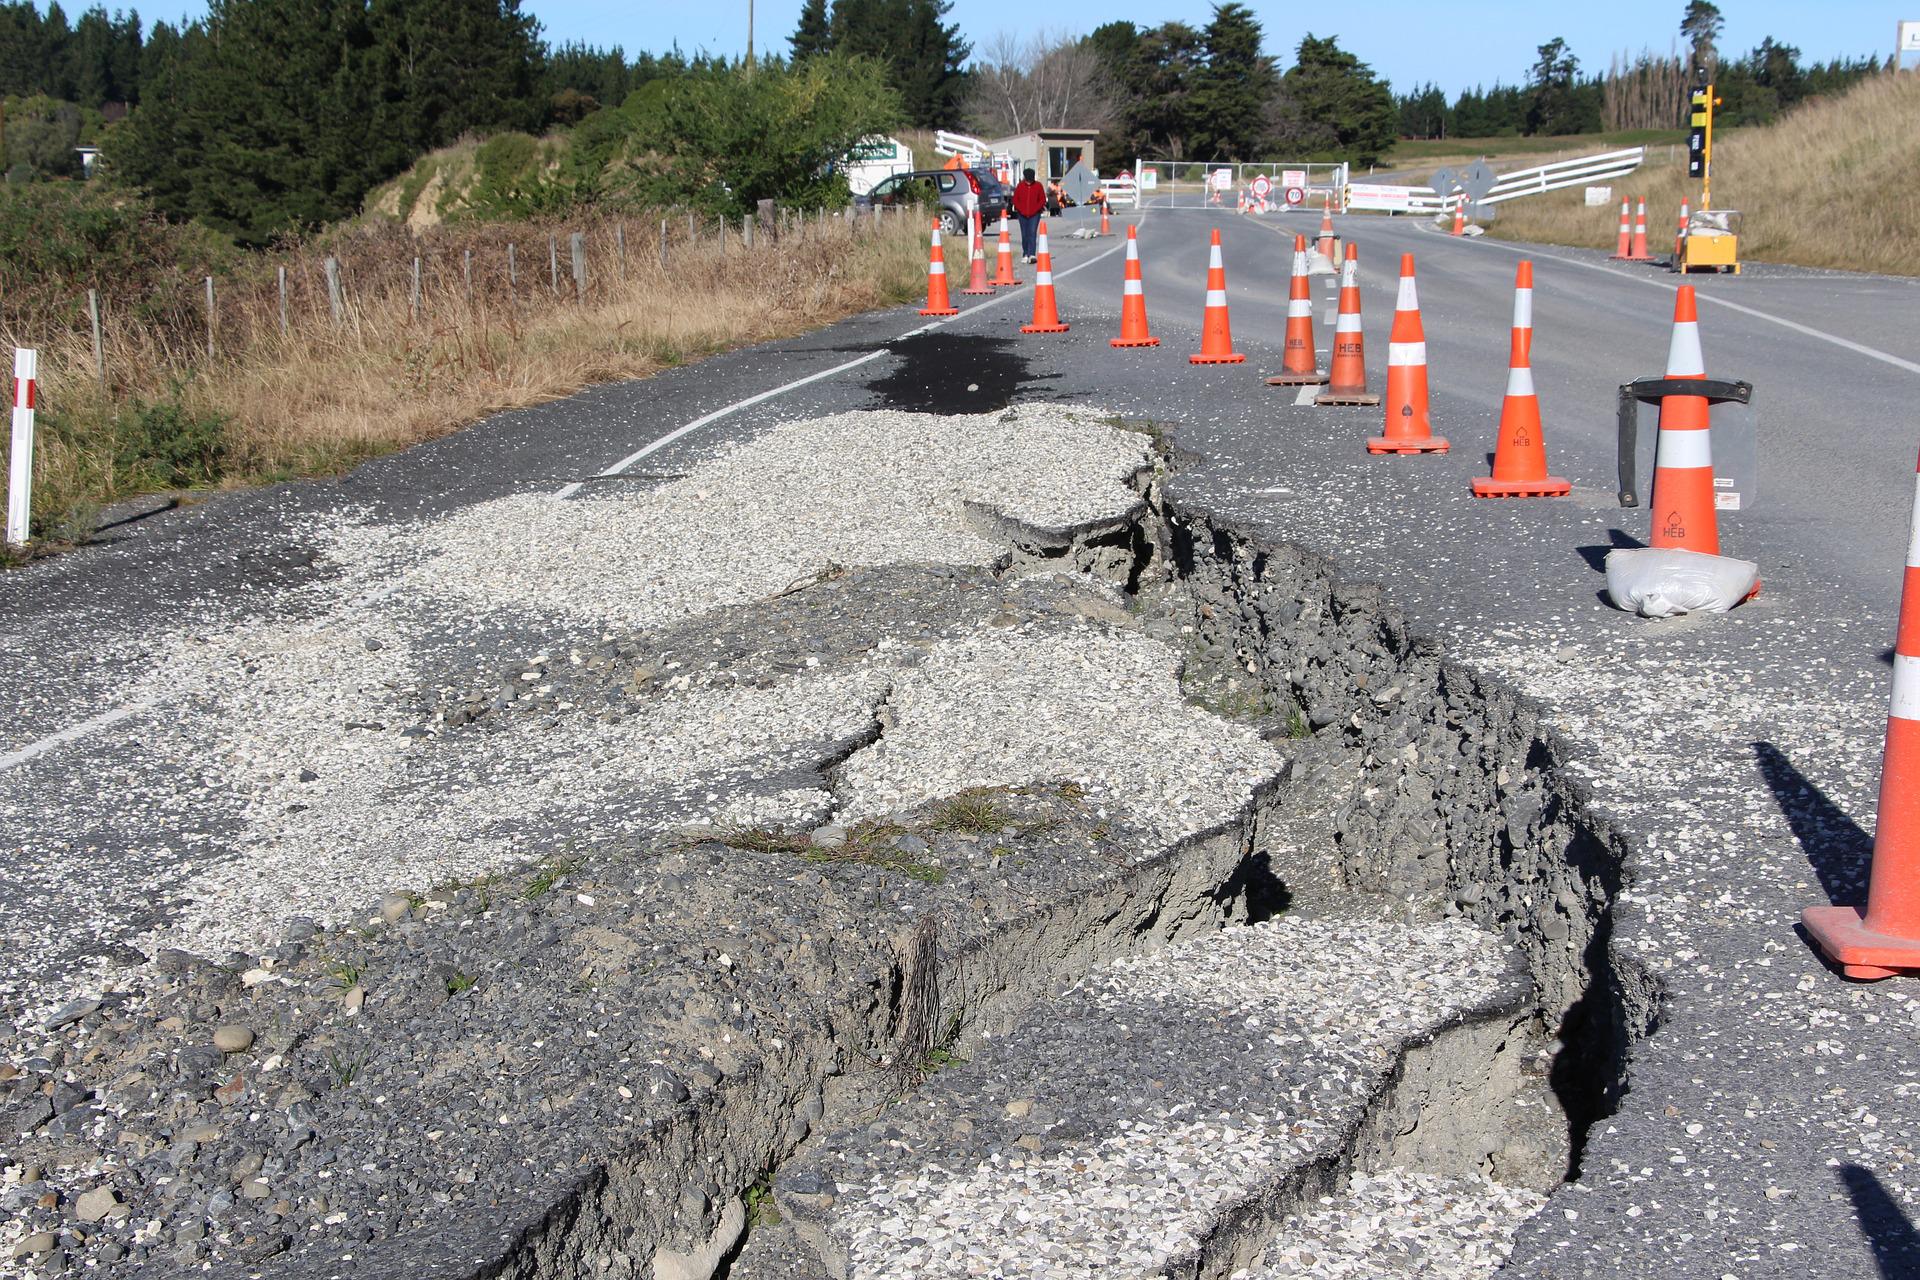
[1262, 187]
[1296, 195]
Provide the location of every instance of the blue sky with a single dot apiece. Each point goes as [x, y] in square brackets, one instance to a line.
[1455, 43]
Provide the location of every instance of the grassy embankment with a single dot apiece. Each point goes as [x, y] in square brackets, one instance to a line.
[323, 396]
[1834, 184]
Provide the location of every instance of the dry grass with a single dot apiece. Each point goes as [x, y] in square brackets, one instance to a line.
[1834, 184]
[323, 396]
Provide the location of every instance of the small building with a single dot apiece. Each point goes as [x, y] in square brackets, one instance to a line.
[1050, 152]
[89, 156]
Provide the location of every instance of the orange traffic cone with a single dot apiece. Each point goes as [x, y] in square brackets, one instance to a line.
[1409, 427]
[1460, 215]
[938, 303]
[1884, 940]
[1216, 331]
[1640, 253]
[1133, 303]
[1046, 312]
[1680, 234]
[1624, 249]
[977, 261]
[1347, 383]
[1298, 368]
[1520, 456]
[1003, 276]
[1325, 247]
[1106, 227]
[1683, 511]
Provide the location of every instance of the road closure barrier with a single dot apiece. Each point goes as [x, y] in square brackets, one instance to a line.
[1884, 939]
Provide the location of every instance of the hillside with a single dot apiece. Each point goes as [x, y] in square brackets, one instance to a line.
[1834, 184]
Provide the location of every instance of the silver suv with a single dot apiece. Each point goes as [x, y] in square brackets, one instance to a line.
[949, 189]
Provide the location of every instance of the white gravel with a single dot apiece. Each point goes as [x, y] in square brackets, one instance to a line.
[1327, 1000]
[1397, 1223]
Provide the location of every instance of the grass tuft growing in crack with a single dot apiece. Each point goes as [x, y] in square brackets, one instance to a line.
[976, 811]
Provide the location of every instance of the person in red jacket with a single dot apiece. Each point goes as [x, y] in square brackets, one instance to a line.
[1029, 198]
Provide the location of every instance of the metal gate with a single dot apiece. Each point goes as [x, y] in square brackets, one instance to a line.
[1266, 186]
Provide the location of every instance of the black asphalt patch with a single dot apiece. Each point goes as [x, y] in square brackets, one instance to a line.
[954, 373]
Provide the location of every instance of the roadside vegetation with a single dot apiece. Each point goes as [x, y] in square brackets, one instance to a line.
[1829, 185]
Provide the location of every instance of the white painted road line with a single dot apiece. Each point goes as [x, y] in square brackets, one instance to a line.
[797, 383]
[1872, 353]
[1306, 394]
[72, 733]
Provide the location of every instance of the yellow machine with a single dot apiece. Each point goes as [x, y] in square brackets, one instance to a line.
[1713, 235]
[1712, 242]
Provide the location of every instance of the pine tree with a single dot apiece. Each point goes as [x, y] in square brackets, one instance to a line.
[813, 35]
[1331, 103]
[924, 55]
[1233, 86]
[1701, 26]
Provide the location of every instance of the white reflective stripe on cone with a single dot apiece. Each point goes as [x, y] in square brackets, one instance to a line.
[1684, 359]
[936, 268]
[1913, 541]
[1130, 288]
[1684, 450]
[1905, 702]
[1520, 381]
[1349, 322]
[1406, 353]
[1299, 307]
[1213, 257]
[1042, 277]
[1216, 297]
[1300, 263]
[1523, 308]
[1409, 297]
[1349, 275]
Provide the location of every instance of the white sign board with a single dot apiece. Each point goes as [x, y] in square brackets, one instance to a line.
[1221, 179]
[1375, 195]
[873, 159]
[1149, 179]
[1599, 196]
[1909, 37]
[1293, 177]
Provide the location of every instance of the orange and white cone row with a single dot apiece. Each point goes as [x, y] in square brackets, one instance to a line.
[938, 304]
[1046, 310]
[1683, 510]
[1298, 366]
[1520, 455]
[1347, 378]
[1409, 425]
[1133, 302]
[1884, 940]
[1216, 327]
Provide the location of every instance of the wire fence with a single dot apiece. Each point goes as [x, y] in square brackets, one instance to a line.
[1271, 186]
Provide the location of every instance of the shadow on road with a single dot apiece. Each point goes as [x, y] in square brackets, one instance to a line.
[953, 373]
[1596, 555]
[1835, 845]
[1889, 1232]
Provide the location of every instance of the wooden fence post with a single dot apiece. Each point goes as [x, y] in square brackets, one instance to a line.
[578, 243]
[99, 352]
[513, 274]
[333, 289]
[746, 231]
[413, 297]
[282, 274]
[209, 318]
[553, 263]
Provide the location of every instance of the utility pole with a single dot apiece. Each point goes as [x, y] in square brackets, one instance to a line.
[749, 37]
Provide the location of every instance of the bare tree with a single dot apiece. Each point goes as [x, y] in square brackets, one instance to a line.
[1649, 92]
[1053, 80]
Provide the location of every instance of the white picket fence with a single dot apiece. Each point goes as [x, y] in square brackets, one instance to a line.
[1560, 174]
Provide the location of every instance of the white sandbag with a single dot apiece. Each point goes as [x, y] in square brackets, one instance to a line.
[1659, 582]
